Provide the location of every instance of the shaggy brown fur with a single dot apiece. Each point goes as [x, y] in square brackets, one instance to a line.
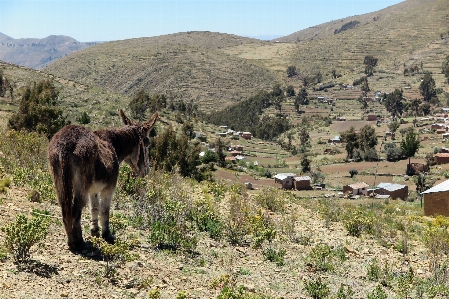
[85, 166]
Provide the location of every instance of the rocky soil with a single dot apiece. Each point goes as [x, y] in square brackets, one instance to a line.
[58, 273]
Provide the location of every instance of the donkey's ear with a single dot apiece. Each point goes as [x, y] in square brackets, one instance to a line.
[149, 124]
[125, 119]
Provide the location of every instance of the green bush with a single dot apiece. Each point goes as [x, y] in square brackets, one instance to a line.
[271, 199]
[320, 257]
[207, 219]
[316, 288]
[114, 254]
[170, 229]
[377, 293]
[23, 233]
[356, 222]
[344, 293]
[275, 256]
[373, 272]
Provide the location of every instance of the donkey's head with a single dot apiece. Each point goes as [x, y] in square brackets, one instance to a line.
[139, 160]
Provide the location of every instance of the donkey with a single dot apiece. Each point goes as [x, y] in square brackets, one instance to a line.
[85, 165]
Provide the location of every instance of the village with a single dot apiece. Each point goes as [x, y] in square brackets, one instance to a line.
[246, 153]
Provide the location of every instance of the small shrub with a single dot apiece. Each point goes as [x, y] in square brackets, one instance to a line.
[271, 199]
[4, 184]
[320, 257]
[344, 293]
[377, 293]
[207, 219]
[373, 272]
[316, 288]
[356, 222]
[275, 256]
[84, 118]
[114, 254]
[22, 234]
[154, 294]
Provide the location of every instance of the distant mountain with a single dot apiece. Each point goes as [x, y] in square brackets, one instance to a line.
[264, 37]
[37, 53]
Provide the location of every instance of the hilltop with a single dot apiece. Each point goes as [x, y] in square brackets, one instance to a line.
[215, 70]
[187, 66]
[37, 53]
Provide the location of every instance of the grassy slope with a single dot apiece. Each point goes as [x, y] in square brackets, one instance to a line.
[188, 66]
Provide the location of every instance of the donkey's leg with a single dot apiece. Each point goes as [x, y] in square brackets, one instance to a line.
[94, 208]
[77, 234]
[105, 206]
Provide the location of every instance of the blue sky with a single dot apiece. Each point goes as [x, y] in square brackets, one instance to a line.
[105, 20]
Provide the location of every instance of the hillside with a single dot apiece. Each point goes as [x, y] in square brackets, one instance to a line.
[215, 70]
[410, 33]
[102, 105]
[187, 66]
[36, 53]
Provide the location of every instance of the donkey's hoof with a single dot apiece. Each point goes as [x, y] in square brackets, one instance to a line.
[109, 238]
[95, 232]
[77, 246]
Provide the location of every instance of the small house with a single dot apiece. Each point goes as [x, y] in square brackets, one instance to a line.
[302, 183]
[359, 188]
[285, 179]
[436, 200]
[334, 140]
[236, 153]
[394, 190]
[372, 117]
[246, 135]
[441, 158]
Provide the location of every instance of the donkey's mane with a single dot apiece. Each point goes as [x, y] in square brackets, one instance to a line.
[120, 138]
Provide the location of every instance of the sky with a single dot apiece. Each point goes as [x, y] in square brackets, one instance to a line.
[107, 20]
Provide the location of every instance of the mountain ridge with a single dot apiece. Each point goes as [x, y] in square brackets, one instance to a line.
[36, 53]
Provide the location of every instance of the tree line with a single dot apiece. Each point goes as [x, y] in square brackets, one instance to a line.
[247, 115]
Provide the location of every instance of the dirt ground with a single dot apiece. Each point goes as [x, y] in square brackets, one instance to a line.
[59, 273]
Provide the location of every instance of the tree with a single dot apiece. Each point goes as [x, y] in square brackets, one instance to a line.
[169, 151]
[427, 87]
[290, 91]
[370, 62]
[364, 86]
[301, 98]
[304, 138]
[352, 141]
[445, 68]
[317, 177]
[367, 138]
[353, 172]
[394, 104]
[393, 152]
[142, 102]
[5, 86]
[414, 105]
[291, 71]
[425, 109]
[219, 149]
[305, 164]
[423, 182]
[410, 146]
[39, 110]
[393, 126]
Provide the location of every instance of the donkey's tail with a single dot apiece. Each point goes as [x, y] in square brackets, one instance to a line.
[62, 174]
